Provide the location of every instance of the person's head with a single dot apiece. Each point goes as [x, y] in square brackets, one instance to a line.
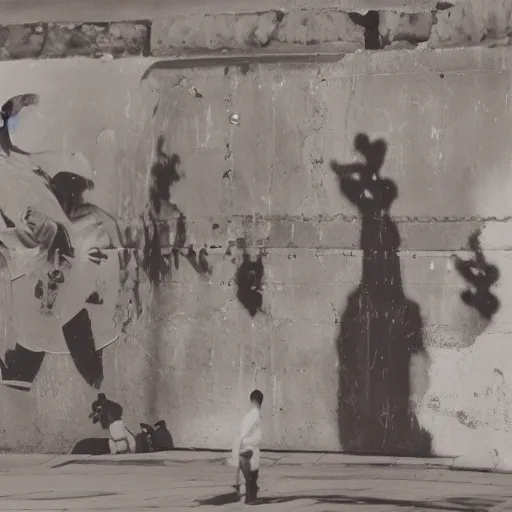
[256, 398]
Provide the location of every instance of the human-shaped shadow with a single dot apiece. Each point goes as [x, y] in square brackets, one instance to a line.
[481, 276]
[380, 329]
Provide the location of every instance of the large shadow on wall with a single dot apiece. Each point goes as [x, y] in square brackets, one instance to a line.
[381, 330]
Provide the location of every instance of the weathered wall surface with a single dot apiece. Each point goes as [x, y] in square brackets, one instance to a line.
[291, 284]
[270, 180]
[51, 30]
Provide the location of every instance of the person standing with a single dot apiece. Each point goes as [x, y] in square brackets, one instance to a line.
[246, 448]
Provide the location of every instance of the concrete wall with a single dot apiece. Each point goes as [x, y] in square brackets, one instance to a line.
[338, 366]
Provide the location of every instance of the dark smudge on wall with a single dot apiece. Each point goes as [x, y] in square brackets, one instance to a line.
[248, 279]
[481, 276]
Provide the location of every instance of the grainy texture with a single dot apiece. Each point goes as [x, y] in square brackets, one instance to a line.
[54, 40]
[342, 28]
[288, 224]
[22, 41]
[279, 250]
[89, 39]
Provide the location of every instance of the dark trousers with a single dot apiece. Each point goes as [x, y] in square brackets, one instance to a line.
[251, 477]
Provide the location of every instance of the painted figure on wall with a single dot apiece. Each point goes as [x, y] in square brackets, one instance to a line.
[58, 248]
[74, 277]
[109, 414]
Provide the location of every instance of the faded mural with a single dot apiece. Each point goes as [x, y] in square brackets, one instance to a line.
[74, 273]
[62, 255]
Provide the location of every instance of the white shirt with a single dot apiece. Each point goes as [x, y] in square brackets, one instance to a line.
[249, 437]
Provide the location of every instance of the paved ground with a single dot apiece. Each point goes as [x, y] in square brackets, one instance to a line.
[192, 480]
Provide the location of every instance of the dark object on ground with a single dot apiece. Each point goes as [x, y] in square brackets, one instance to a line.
[155, 438]
[158, 438]
[91, 446]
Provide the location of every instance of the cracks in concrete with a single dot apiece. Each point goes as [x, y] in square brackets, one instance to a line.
[263, 35]
[400, 218]
[349, 31]
[464, 23]
[290, 231]
[57, 40]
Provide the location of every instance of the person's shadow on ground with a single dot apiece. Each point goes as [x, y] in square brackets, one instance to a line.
[221, 499]
[380, 329]
[453, 504]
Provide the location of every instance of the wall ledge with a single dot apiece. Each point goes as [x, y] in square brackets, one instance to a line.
[343, 29]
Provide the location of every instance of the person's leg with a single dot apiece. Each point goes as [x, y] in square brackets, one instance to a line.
[245, 467]
[254, 466]
[251, 493]
[256, 475]
[251, 475]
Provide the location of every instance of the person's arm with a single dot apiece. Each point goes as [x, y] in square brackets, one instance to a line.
[235, 450]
